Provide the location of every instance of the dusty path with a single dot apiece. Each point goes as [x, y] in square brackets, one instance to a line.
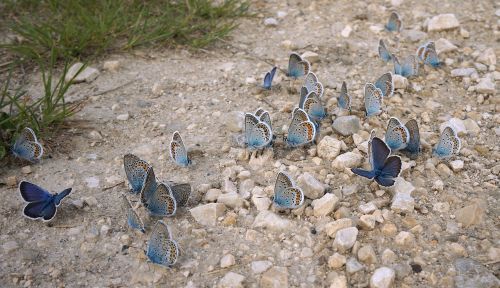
[198, 93]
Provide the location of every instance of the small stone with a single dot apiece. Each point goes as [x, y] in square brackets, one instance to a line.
[488, 57]
[274, 278]
[329, 148]
[383, 277]
[235, 121]
[310, 56]
[261, 203]
[259, 267]
[313, 189]
[350, 189]
[457, 249]
[111, 65]
[287, 44]
[336, 261]
[388, 257]
[413, 36]
[10, 246]
[250, 80]
[457, 165]
[231, 280]
[88, 74]
[402, 200]
[306, 252]
[444, 46]
[212, 195]
[227, 261]
[486, 86]
[442, 22]
[366, 254]
[346, 125]
[324, 205]
[207, 214]
[281, 14]
[92, 182]
[347, 160]
[389, 229]
[232, 200]
[352, 265]
[78, 203]
[332, 227]
[471, 126]
[123, 117]
[271, 221]
[367, 222]
[105, 229]
[345, 238]
[471, 214]
[26, 169]
[405, 239]
[367, 208]
[400, 82]
[346, 32]
[470, 273]
[462, 72]
[11, 181]
[270, 22]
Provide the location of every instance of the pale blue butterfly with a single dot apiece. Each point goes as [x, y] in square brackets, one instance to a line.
[178, 151]
[286, 194]
[263, 116]
[449, 144]
[373, 100]
[157, 197]
[413, 147]
[303, 95]
[297, 67]
[268, 79]
[396, 135]
[314, 108]
[383, 52]
[430, 57]
[133, 219]
[312, 84]
[394, 23]
[302, 130]
[385, 84]
[162, 249]
[41, 203]
[27, 146]
[258, 134]
[408, 68]
[344, 100]
[136, 170]
[180, 191]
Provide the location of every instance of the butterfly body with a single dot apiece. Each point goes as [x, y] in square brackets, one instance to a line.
[286, 194]
[297, 67]
[268, 79]
[27, 146]
[162, 249]
[41, 203]
[449, 144]
[178, 151]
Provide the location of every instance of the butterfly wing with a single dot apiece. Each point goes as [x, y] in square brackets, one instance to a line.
[383, 52]
[133, 220]
[373, 100]
[310, 82]
[181, 193]
[420, 52]
[162, 202]
[178, 151]
[386, 84]
[430, 57]
[397, 135]
[162, 250]
[33, 193]
[344, 100]
[258, 112]
[60, 196]
[380, 152]
[136, 170]
[394, 23]
[315, 109]
[301, 134]
[299, 116]
[260, 136]
[273, 72]
[410, 66]
[268, 81]
[28, 150]
[448, 144]
[303, 96]
[42, 209]
[413, 146]
[250, 123]
[148, 187]
[370, 155]
[290, 198]
[266, 118]
[397, 65]
[363, 173]
[283, 181]
[390, 171]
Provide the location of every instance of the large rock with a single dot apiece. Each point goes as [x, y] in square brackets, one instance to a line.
[443, 22]
[324, 205]
[269, 220]
[402, 200]
[345, 238]
[366, 254]
[347, 160]
[276, 277]
[232, 200]
[207, 214]
[347, 125]
[414, 35]
[312, 188]
[332, 227]
[231, 280]
[383, 277]
[259, 267]
[444, 46]
[329, 148]
[471, 274]
[471, 214]
[488, 57]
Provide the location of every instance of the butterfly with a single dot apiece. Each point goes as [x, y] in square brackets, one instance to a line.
[268, 79]
[297, 67]
[181, 192]
[157, 197]
[27, 146]
[344, 100]
[312, 84]
[314, 108]
[370, 158]
[133, 219]
[136, 170]
[162, 249]
[258, 134]
[263, 116]
[413, 147]
[384, 168]
[385, 84]
[396, 135]
[409, 67]
[421, 49]
[430, 57]
[41, 203]
[373, 100]
[286, 194]
[394, 24]
[449, 144]
[303, 95]
[302, 130]
[383, 52]
[178, 151]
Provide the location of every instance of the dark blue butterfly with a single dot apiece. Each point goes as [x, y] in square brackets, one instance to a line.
[268, 79]
[383, 52]
[413, 147]
[394, 23]
[41, 203]
[385, 169]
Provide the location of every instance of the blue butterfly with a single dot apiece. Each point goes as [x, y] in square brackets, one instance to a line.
[421, 49]
[413, 147]
[181, 192]
[133, 219]
[430, 57]
[297, 67]
[384, 168]
[370, 158]
[314, 108]
[41, 203]
[178, 151]
[286, 194]
[313, 85]
[303, 95]
[344, 100]
[373, 100]
[397, 135]
[162, 249]
[263, 116]
[385, 84]
[394, 24]
[449, 144]
[268, 79]
[157, 197]
[27, 146]
[258, 134]
[136, 170]
[383, 52]
[409, 67]
[302, 130]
